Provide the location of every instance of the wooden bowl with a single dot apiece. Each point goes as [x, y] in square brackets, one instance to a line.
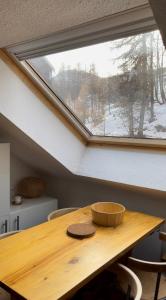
[107, 213]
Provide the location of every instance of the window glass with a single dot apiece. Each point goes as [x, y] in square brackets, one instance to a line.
[115, 88]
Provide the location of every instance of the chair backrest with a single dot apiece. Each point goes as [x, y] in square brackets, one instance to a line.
[5, 235]
[60, 212]
[128, 280]
[147, 266]
[162, 236]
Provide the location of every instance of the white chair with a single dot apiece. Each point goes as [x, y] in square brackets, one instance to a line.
[149, 267]
[149, 271]
[128, 280]
[3, 294]
[60, 212]
[162, 237]
[116, 281]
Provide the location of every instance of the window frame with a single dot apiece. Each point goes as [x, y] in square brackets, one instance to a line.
[117, 32]
[88, 137]
[56, 98]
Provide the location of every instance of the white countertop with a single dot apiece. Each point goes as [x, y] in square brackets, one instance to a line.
[28, 203]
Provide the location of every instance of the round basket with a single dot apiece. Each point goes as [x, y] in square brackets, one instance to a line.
[107, 213]
[31, 187]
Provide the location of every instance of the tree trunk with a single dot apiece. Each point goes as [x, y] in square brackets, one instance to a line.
[161, 79]
[131, 123]
[144, 87]
[151, 81]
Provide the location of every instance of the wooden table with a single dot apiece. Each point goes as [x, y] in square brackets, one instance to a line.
[43, 263]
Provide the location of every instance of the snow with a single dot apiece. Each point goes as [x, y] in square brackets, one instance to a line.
[116, 123]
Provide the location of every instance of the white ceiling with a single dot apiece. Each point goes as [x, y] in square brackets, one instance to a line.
[22, 20]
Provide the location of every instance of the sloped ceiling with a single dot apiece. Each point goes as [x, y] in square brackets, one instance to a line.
[22, 20]
[28, 151]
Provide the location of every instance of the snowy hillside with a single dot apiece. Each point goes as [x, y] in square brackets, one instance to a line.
[116, 123]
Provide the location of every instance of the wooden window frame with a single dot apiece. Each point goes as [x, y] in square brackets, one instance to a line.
[24, 51]
[89, 139]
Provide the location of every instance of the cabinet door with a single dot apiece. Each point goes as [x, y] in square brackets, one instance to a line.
[15, 222]
[24, 219]
[4, 179]
[4, 224]
[34, 215]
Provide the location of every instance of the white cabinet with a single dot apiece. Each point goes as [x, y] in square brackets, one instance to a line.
[31, 212]
[4, 179]
[4, 224]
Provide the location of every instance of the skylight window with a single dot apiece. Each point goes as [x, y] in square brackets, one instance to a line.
[115, 88]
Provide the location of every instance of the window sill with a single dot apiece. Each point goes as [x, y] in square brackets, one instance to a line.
[127, 142]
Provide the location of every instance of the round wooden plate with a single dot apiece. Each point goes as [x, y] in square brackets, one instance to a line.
[81, 230]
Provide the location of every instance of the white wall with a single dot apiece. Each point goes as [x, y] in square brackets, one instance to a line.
[17, 168]
[79, 191]
[22, 107]
[18, 171]
[4, 178]
[143, 168]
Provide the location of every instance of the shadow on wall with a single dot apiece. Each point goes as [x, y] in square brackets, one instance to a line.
[81, 192]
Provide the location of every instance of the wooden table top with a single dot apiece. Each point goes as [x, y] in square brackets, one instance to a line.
[43, 263]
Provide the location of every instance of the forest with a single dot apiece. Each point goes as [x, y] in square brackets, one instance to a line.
[129, 103]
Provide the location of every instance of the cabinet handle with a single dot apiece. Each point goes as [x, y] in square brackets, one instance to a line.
[5, 226]
[18, 223]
